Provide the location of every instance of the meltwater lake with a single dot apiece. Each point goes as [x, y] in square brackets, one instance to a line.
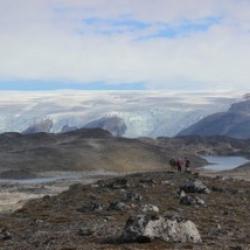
[221, 163]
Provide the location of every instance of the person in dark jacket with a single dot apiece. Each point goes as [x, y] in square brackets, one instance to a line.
[187, 165]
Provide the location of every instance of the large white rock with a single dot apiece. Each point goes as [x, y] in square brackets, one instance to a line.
[145, 228]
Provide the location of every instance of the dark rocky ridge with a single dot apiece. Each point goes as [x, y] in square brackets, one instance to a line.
[233, 123]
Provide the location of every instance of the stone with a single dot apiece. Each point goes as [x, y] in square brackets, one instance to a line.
[148, 181]
[150, 209]
[191, 200]
[5, 234]
[85, 231]
[118, 206]
[91, 207]
[131, 196]
[195, 186]
[146, 228]
[215, 231]
[121, 183]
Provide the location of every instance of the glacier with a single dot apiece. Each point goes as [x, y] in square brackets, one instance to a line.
[145, 113]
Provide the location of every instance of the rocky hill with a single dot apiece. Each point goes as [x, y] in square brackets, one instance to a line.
[161, 210]
[234, 123]
[79, 150]
[97, 149]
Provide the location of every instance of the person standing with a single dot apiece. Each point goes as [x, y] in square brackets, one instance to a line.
[187, 165]
[179, 165]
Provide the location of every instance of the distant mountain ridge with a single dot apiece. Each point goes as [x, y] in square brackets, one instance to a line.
[233, 123]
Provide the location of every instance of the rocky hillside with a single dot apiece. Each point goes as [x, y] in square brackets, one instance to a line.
[80, 150]
[97, 149]
[234, 123]
[163, 210]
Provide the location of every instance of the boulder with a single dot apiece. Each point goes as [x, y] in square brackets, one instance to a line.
[191, 200]
[150, 209]
[146, 228]
[195, 186]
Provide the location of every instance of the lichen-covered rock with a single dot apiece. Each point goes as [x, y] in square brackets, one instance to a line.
[145, 228]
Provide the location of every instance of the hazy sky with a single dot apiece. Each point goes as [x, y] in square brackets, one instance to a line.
[125, 44]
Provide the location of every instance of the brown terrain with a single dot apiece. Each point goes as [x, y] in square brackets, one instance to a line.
[96, 216]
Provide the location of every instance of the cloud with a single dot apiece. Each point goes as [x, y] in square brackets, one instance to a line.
[162, 44]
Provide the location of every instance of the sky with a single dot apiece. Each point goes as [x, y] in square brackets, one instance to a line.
[125, 44]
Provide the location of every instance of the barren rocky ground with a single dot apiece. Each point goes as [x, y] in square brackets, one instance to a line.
[94, 216]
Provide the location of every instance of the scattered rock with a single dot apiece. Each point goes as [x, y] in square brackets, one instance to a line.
[150, 209]
[237, 248]
[215, 231]
[85, 231]
[131, 196]
[118, 206]
[195, 186]
[148, 181]
[166, 182]
[191, 200]
[145, 228]
[91, 207]
[121, 183]
[5, 234]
